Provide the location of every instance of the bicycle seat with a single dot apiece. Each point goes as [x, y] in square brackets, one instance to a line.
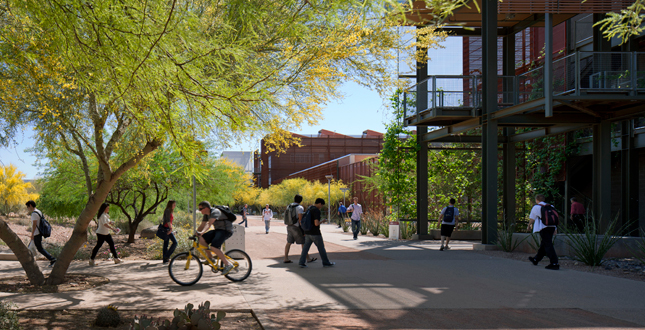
[192, 238]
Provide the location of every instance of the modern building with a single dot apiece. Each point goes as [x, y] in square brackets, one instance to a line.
[242, 158]
[536, 68]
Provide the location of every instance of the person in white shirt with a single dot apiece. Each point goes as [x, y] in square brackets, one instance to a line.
[103, 235]
[36, 236]
[357, 212]
[546, 235]
[267, 214]
[448, 219]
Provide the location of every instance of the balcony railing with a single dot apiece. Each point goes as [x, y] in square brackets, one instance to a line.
[575, 74]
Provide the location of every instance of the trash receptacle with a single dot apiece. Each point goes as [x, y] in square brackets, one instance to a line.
[394, 230]
[236, 241]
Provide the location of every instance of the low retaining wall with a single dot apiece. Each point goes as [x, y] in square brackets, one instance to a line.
[624, 247]
[462, 235]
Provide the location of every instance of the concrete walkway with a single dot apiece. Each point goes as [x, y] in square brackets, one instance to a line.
[376, 284]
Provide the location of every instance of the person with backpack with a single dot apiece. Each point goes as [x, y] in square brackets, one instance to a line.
[295, 234]
[170, 236]
[311, 225]
[544, 220]
[448, 218]
[357, 212]
[221, 218]
[103, 234]
[38, 222]
[267, 214]
[342, 211]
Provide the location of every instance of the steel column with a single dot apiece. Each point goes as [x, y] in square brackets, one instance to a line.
[601, 191]
[508, 203]
[548, 65]
[508, 68]
[422, 155]
[629, 178]
[489, 127]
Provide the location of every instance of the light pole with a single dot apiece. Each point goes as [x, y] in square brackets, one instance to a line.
[344, 190]
[329, 177]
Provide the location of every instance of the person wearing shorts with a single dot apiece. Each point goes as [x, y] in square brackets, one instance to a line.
[223, 229]
[448, 218]
[295, 233]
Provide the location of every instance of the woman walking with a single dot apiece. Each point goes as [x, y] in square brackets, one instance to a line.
[103, 235]
[170, 236]
[267, 214]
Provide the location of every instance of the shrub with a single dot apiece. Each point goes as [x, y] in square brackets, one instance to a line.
[407, 229]
[55, 249]
[590, 246]
[371, 224]
[346, 224]
[505, 238]
[8, 316]
[188, 319]
[384, 224]
[363, 229]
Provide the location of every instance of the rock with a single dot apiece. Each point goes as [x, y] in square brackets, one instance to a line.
[148, 233]
[73, 284]
[64, 312]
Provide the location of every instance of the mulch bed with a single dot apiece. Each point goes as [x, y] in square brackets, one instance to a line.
[73, 282]
[76, 319]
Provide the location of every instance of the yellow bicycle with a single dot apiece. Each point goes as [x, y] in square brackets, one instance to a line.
[186, 268]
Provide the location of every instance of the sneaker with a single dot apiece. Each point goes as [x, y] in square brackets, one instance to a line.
[227, 269]
[329, 264]
[355, 238]
[553, 266]
[303, 266]
[92, 262]
[117, 261]
[532, 259]
[267, 232]
[441, 248]
[165, 262]
[51, 263]
[447, 248]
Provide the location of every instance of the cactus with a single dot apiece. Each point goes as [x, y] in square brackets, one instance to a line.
[108, 317]
[188, 319]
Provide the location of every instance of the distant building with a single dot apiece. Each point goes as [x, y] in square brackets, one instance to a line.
[242, 158]
[314, 150]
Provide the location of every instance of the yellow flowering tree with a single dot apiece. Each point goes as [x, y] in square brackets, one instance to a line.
[14, 191]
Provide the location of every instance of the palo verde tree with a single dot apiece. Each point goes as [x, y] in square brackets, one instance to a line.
[14, 191]
[112, 81]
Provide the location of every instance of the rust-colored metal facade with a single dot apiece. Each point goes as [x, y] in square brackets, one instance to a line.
[315, 150]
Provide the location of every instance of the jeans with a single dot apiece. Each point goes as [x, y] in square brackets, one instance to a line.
[318, 240]
[104, 238]
[246, 224]
[546, 246]
[166, 251]
[267, 225]
[38, 240]
[356, 227]
[578, 222]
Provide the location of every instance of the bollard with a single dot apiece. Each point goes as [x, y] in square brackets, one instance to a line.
[394, 230]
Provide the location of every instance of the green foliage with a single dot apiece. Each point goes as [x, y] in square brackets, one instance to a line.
[407, 229]
[345, 226]
[279, 196]
[182, 233]
[8, 316]
[627, 23]
[384, 226]
[363, 229]
[591, 245]
[189, 319]
[372, 221]
[505, 238]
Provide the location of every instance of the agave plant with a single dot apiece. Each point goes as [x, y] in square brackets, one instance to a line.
[590, 246]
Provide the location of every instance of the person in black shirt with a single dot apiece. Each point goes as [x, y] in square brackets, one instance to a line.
[315, 236]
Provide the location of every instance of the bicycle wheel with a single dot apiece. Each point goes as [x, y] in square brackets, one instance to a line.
[243, 268]
[185, 269]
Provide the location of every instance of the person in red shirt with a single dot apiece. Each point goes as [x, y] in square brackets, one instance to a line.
[170, 236]
[577, 215]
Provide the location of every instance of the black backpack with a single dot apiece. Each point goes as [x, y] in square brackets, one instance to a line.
[307, 223]
[550, 216]
[44, 227]
[291, 214]
[227, 212]
[449, 214]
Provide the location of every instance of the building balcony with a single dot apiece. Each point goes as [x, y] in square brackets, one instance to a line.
[599, 84]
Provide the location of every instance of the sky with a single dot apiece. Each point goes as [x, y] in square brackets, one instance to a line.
[360, 110]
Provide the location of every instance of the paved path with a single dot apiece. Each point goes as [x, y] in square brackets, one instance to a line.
[376, 284]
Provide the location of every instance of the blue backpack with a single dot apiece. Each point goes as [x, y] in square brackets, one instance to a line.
[306, 222]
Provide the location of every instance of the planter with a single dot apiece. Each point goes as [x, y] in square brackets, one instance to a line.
[623, 248]
[463, 235]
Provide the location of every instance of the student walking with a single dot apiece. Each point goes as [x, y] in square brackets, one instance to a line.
[170, 235]
[36, 236]
[245, 212]
[539, 212]
[295, 234]
[578, 215]
[448, 218]
[103, 235]
[313, 235]
[342, 211]
[357, 211]
[267, 214]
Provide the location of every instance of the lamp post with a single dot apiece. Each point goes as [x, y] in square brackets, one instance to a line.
[344, 190]
[329, 177]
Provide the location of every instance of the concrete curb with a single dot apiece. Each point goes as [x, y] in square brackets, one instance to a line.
[8, 256]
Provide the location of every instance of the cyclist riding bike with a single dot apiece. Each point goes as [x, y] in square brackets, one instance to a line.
[223, 229]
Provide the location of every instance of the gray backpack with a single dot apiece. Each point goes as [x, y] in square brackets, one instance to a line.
[291, 214]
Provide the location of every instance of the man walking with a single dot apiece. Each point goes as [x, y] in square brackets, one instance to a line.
[313, 235]
[448, 218]
[357, 211]
[546, 234]
[267, 214]
[577, 215]
[342, 210]
[295, 234]
[36, 236]
[245, 211]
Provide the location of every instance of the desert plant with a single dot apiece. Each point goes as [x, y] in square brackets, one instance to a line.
[189, 319]
[535, 241]
[590, 246]
[505, 238]
[108, 317]
[639, 252]
[385, 227]
[8, 316]
[407, 229]
[363, 228]
[345, 225]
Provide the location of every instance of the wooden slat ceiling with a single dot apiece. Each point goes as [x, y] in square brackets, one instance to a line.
[512, 12]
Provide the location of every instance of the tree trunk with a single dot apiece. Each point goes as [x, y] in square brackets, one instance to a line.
[79, 235]
[133, 230]
[25, 257]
